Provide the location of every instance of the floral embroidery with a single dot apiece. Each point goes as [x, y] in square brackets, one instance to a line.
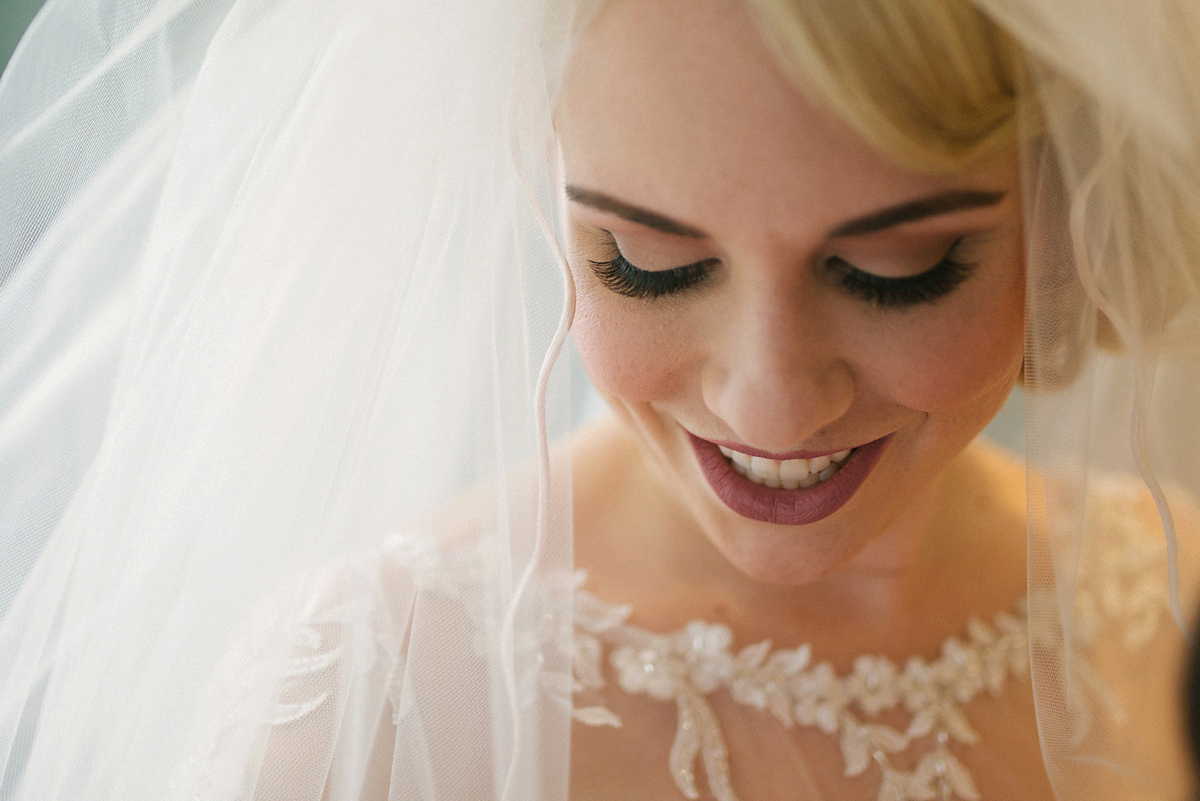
[698, 660]
[1120, 584]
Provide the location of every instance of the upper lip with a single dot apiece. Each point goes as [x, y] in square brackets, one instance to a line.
[777, 456]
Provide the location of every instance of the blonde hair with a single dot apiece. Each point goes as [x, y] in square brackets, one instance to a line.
[931, 84]
[1106, 97]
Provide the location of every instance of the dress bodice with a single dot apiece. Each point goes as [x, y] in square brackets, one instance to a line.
[932, 726]
[697, 712]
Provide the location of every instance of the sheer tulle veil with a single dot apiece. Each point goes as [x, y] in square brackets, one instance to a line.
[281, 292]
[280, 281]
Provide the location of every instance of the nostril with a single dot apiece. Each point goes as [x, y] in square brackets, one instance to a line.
[776, 411]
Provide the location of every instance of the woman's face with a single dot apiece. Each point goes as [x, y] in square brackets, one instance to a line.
[754, 280]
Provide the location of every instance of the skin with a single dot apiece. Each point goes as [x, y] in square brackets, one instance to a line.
[681, 112]
[675, 107]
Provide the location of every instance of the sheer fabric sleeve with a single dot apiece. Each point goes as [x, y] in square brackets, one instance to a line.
[365, 689]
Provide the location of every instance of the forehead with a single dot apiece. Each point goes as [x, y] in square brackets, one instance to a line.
[677, 105]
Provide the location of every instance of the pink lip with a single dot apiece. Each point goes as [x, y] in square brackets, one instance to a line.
[781, 506]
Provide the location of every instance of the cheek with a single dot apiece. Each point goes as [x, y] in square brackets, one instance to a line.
[962, 366]
[958, 364]
[629, 353]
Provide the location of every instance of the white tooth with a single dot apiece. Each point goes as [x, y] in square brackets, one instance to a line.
[740, 459]
[841, 456]
[766, 469]
[788, 484]
[739, 469]
[826, 473]
[793, 470]
[726, 452]
[809, 480]
[818, 464]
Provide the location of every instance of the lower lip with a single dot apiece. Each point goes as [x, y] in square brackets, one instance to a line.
[781, 506]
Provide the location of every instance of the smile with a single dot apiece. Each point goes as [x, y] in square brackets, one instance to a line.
[801, 489]
[786, 474]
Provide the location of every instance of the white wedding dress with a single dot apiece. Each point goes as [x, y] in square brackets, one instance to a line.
[751, 720]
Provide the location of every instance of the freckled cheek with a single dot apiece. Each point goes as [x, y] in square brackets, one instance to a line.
[959, 366]
[629, 353]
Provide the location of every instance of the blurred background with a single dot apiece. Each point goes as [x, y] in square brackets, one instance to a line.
[15, 16]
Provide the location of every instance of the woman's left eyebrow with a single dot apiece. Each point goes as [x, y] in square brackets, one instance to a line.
[920, 209]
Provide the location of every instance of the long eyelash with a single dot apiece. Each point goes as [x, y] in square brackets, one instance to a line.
[938, 281]
[624, 278]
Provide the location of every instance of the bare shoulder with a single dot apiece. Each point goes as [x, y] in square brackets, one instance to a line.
[601, 451]
[984, 490]
[607, 472]
[1003, 471]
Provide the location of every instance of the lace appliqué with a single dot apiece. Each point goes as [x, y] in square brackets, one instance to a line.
[1119, 586]
[541, 639]
[283, 667]
[691, 664]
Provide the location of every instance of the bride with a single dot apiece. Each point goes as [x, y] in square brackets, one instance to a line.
[296, 504]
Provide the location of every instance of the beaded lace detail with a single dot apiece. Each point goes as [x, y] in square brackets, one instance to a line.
[1121, 585]
[1121, 595]
[797, 690]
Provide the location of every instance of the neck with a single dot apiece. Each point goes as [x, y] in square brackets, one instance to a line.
[914, 571]
[955, 552]
[890, 575]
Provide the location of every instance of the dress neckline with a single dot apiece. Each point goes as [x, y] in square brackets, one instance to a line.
[1119, 594]
[799, 689]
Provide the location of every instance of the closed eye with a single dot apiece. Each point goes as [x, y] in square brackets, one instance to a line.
[624, 278]
[927, 286]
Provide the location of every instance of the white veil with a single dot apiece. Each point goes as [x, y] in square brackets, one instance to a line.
[1110, 118]
[279, 285]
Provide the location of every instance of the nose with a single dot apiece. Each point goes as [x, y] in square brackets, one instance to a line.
[778, 377]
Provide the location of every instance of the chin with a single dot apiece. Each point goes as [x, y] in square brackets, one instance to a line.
[787, 555]
[876, 524]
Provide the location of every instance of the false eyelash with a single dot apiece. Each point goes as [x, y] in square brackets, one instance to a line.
[623, 278]
[938, 281]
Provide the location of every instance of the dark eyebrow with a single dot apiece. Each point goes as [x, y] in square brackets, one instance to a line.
[910, 211]
[913, 210]
[601, 201]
